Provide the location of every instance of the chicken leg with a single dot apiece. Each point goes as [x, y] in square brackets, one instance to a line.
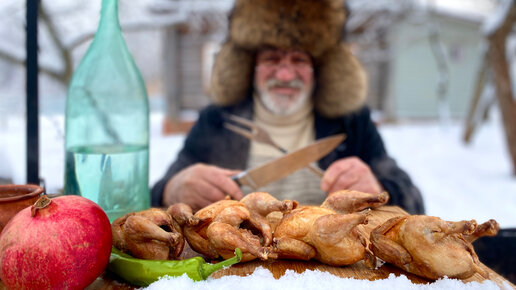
[349, 201]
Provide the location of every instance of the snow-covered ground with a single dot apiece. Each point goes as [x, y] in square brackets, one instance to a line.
[458, 181]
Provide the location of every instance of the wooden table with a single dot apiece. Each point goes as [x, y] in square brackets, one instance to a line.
[278, 267]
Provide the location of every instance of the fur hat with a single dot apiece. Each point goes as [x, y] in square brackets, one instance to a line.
[315, 26]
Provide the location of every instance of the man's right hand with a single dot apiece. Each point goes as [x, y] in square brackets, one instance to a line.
[200, 185]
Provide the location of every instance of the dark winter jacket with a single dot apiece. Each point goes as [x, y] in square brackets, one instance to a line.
[209, 142]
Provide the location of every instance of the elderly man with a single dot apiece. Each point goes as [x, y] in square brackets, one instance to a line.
[283, 67]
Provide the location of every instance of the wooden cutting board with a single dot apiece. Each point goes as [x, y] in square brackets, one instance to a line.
[278, 267]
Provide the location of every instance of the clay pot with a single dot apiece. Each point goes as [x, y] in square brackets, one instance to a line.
[14, 198]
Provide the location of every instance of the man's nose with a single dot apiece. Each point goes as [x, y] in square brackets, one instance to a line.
[285, 73]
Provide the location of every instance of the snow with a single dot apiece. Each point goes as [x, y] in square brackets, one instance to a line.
[163, 149]
[263, 279]
[496, 19]
[457, 181]
[473, 10]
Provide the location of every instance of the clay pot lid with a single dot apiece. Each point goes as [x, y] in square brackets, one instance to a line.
[18, 192]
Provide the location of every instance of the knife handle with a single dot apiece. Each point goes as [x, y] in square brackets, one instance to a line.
[236, 178]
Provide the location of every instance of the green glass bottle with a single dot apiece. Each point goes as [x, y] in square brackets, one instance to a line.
[107, 124]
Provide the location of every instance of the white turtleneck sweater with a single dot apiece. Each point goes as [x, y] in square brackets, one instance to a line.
[290, 132]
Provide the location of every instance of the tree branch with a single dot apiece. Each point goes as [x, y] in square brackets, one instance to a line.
[66, 74]
[504, 92]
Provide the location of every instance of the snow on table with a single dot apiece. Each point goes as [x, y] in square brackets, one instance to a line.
[263, 279]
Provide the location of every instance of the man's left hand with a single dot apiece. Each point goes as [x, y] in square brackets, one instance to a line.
[350, 173]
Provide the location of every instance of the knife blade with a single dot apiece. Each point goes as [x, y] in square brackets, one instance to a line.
[285, 165]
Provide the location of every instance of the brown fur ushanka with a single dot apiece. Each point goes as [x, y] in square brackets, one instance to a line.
[315, 26]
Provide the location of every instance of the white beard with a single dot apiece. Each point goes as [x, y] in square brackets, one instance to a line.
[284, 105]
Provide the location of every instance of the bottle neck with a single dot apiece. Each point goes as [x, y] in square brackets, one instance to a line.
[109, 22]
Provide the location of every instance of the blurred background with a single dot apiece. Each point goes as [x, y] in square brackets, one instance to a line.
[440, 86]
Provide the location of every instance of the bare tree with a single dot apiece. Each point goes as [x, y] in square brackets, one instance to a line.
[502, 78]
[495, 73]
[63, 44]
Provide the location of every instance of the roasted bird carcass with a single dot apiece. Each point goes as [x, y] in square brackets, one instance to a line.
[150, 234]
[229, 224]
[328, 233]
[431, 247]
[315, 232]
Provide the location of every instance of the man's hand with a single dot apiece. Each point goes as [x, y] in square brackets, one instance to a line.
[350, 173]
[200, 185]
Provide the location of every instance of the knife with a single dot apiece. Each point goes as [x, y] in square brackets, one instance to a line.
[285, 165]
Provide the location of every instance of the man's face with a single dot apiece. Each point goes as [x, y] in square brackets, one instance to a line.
[283, 79]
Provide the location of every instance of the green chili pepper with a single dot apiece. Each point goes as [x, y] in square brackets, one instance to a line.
[143, 272]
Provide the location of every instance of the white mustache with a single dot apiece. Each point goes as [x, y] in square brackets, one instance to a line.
[296, 84]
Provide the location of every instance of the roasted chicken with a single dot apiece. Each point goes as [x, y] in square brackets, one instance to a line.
[431, 247]
[328, 233]
[150, 234]
[315, 232]
[228, 224]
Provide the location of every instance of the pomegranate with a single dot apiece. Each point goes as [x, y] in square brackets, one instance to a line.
[59, 243]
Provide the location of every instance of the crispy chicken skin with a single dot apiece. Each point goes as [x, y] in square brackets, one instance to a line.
[431, 247]
[228, 224]
[150, 234]
[322, 234]
[235, 227]
[196, 234]
[329, 232]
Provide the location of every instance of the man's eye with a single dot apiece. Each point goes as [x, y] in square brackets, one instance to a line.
[300, 58]
[271, 59]
[300, 61]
